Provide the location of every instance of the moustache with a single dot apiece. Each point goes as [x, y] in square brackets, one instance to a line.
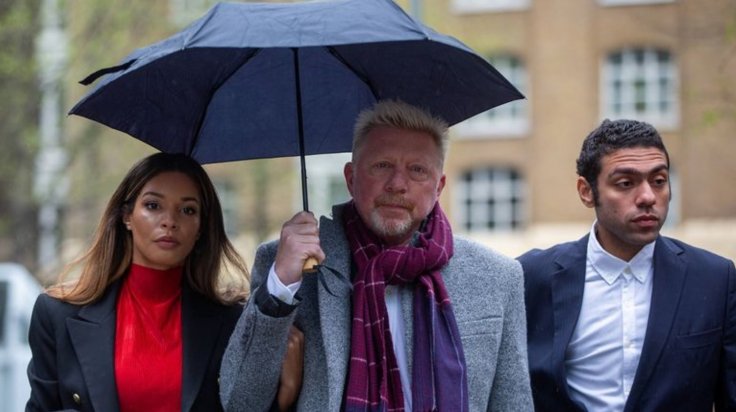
[394, 201]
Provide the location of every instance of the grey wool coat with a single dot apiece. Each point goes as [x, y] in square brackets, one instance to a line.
[486, 290]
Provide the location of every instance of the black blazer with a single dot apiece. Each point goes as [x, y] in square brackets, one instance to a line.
[688, 359]
[73, 353]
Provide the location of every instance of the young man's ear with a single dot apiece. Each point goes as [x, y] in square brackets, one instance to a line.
[585, 191]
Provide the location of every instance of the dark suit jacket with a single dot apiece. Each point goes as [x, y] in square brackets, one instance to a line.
[73, 353]
[688, 360]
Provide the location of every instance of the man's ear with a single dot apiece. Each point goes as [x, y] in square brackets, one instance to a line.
[347, 171]
[440, 185]
[585, 191]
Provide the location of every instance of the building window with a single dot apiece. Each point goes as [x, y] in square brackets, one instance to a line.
[640, 84]
[325, 182]
[490, 199]
[475, 6]
[510, 119]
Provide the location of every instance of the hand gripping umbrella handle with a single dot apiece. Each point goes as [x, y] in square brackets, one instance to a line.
[310, 265]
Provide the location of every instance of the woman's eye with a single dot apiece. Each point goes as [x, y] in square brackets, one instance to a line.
[189, 211]
[151, 205]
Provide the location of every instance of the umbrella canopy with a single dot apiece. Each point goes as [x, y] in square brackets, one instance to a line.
[261, 80]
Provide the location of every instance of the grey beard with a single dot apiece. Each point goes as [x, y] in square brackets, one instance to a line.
[384, 229]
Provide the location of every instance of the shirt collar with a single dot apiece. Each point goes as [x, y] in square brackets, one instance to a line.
[610, 267]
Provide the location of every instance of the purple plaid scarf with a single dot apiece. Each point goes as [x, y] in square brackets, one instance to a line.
[439, 380]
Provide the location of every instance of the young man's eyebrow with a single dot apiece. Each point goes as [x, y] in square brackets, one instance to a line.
[634, 171]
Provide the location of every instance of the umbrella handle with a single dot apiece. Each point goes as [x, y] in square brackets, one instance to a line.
[310, 265]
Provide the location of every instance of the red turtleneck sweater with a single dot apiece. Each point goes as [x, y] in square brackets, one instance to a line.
[148, 344]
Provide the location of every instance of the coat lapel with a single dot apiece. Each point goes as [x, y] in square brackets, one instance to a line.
[568, 284]
[200, 331]
[93, 336]
[335, 309]
[670, 269]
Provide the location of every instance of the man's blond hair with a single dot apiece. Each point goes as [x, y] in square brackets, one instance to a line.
[400, 115]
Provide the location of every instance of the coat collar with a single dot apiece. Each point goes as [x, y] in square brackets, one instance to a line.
[93, 337]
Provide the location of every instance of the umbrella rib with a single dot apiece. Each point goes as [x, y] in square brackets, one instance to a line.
[99, 73]
[359, 75]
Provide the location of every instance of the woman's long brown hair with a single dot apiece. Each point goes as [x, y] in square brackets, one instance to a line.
[110, 254]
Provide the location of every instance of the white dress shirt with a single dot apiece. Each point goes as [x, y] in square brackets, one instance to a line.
[604, 350]
[395, 323]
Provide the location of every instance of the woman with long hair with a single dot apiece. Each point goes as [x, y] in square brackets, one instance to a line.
[144, 324]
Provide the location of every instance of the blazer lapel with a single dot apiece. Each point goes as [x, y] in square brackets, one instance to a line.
[670, 270]
[93, 338]
[200, 331]
[568, 284]
[335, 309]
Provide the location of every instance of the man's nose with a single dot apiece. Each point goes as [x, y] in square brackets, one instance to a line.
[397, 182]
[645, 195]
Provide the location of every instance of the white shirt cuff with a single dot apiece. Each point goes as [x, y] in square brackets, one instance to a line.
[276, 288]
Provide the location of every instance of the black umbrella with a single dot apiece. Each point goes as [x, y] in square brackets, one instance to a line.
[252, 80]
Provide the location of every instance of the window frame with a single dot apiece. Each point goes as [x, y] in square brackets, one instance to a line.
[626, 80]
[508, 196]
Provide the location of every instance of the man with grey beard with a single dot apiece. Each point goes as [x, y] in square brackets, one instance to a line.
[402, 314]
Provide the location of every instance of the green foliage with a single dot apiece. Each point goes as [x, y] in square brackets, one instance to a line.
[730, 32]
[19, 103]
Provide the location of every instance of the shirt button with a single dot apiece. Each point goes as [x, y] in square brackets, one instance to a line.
[77, 399]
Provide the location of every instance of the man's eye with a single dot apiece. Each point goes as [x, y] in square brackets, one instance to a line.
[624, 184]
[418, 173]
[381, 166]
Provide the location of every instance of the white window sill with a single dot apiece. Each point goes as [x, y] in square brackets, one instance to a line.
[488, 6]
